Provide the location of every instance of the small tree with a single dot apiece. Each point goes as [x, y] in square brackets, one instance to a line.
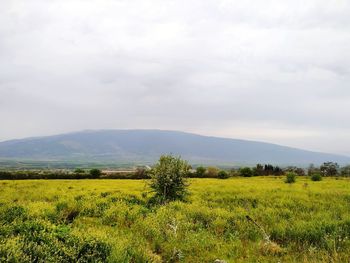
[95, 173]
[246, 172]
[268, 169]
[329, 169]
[290, 178]
[258, 170]
[168, 178]
[223, 175]
[277, 170]
[311, 169]
[200, 171]
[212, 172]
[345, 171]
[299, 171]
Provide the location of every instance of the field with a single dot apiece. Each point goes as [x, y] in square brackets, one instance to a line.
[112, 221]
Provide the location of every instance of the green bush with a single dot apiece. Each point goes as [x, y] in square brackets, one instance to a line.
[168, 178]
[200, 172]
[246, 172]
[92, 250]
[290, 178]
[316, 177]
[223, 175]
[95, 173]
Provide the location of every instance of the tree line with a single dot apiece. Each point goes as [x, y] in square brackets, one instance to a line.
[324, 170]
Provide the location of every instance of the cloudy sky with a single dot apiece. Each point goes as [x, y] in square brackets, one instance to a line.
[275, 71]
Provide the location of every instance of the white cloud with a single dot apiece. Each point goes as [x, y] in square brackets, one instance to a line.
[266, 70]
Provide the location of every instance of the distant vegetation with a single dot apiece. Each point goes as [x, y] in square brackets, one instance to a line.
[327, 169]
[223, 175]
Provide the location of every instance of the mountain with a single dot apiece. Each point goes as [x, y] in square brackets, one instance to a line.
[145, 146]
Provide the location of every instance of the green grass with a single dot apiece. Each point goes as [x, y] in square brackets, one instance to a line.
[110, 220]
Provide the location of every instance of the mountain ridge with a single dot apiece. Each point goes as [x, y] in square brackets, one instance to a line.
[146, 145]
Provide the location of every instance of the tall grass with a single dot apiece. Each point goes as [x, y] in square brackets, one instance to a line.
[112, 221]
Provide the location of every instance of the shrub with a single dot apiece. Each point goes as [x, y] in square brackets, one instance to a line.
[92, 250]
[316, 177]
[212, 172]
[223, 175]
[168, 178]
[246, 172]
[290, 177]
[200, 172]
[95, 173]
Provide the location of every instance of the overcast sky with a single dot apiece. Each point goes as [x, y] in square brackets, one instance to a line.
[275, 71]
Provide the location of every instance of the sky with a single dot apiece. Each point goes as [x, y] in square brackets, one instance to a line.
[273, 71]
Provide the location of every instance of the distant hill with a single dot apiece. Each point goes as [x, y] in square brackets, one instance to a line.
[145, 146]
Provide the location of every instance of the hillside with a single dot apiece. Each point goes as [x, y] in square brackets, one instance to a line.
[145, 146]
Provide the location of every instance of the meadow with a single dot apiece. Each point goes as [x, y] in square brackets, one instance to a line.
[257, 219]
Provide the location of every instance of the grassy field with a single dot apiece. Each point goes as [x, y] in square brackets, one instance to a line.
[111, 221]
